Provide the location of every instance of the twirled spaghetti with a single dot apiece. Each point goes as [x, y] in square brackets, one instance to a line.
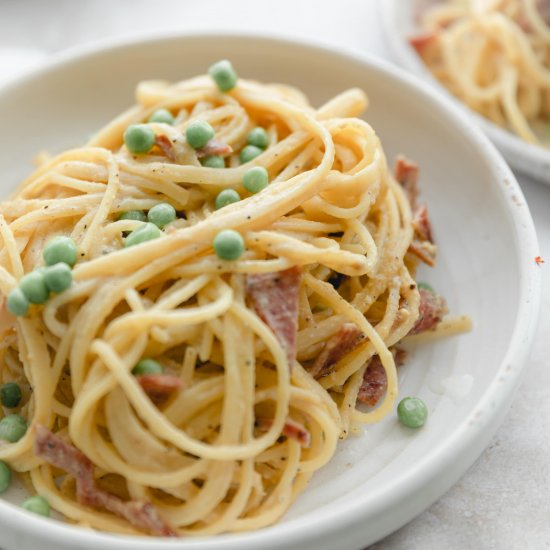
[494, 55]
[264, 357]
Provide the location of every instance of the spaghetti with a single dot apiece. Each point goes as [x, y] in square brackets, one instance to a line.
[263, 357]
[494, 55]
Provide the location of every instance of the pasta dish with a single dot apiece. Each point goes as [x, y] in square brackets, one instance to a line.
[202, 301]
[494, 55]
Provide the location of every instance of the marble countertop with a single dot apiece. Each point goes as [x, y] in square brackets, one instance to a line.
[502, 501]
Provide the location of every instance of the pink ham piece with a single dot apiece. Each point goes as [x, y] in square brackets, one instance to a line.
[166, 145]
[432, 308]
[422, 225]
[276, 297]
[159, 386]
[406, 173]
[339, 345]
[375, 381]
[291, 429]
[422, 246]
[214, 147]
[65, 456]
[422, 41]
[175, 150]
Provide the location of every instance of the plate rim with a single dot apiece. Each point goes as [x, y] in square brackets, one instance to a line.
[309, 530]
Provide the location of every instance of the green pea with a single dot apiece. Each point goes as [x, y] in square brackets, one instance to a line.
[225, 197]
[58, 277]
[425, 286]
[17, 302]
[12, 428]
[248, 153]
[162, 214]
[147, 366]
[10, 395]
[5, 476]
[162, 115]
[198, 133]
[214, 161]
[37, 505]
[60, 249]
[412, 412]
[34, 287]
[256, 179]
[146, 232]
[137, 215]
[228, 244]
[139, 138]
[258, 137]
[224, 75]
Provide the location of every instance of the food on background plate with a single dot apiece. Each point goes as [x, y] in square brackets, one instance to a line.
[200, 302]
[494, 55]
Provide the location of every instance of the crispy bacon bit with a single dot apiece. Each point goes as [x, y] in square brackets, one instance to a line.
[422, 41]
[422, 225]
[375, 381]
[432, 309]
[159, 386]
[424, 250]
[339, 345]
[291, 429]
[214, 147]
[164, 142]
[276, 298]
[65, 456]
[406, 173]
[539, 260]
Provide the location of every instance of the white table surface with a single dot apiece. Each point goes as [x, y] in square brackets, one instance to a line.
[503, 500]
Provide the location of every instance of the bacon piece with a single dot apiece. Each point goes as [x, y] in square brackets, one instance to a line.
[159, 386]
[276, 298]
[375, 381]
[424, 250]
[214, 147]
[432, 308]
[406, 173]
[174, 148]
[65, 456]
[339, 345]
[421, 42]
[164, 142]
[422, 225]
[291, 429]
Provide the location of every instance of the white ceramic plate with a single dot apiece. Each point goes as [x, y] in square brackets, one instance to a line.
[399, 24]
[380, 480]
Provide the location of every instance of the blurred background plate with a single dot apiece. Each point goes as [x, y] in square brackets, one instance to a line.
[399, 22]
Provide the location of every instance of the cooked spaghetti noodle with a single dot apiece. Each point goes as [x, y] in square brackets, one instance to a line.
[230, 433]
[494, 55]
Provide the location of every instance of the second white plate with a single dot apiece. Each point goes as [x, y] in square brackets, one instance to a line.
[399, 23]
